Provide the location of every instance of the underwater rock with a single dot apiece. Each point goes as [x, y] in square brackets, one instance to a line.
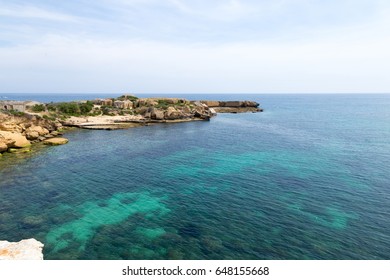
[32, 221]
[190, 230]
[27, 249]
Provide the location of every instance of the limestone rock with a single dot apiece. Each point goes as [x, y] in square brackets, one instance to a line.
[172, 114]
[233, 104]
[157, 114]
[55, 141]
[32, 135]
[3, 147]
[148, 102]
[211, 103]
[33, 132]
[19, 141]
[27, 249]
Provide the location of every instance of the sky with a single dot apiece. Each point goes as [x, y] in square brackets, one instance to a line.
[195, 46]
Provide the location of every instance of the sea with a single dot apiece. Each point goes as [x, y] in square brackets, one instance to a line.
[308, 178]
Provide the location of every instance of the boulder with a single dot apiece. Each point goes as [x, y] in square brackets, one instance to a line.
[202, 111]
[58, 125]
[55, 141]
[142, 110]
[27, 249]
[3, 147]
[173, 114]
[32, 135]
[40, 130]
[19, 141]
[157, 114]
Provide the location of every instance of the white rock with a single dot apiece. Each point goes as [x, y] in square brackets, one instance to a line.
[27, 249]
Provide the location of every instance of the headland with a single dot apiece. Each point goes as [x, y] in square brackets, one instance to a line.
[23, 123]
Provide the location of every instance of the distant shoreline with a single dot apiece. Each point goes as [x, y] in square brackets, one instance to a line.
[23, 123]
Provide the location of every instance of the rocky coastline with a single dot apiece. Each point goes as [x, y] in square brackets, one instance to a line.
[34, 122]
[18, 132]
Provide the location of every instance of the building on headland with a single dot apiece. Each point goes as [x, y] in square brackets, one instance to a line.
[20, 106]
[103, 102]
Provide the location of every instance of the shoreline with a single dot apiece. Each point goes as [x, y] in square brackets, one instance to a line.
[23, 123]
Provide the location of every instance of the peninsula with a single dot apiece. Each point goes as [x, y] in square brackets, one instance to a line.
[23, 123]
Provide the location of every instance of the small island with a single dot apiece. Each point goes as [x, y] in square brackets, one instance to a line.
[23, 123]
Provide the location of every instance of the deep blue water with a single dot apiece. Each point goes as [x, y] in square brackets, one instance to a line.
[306, 179]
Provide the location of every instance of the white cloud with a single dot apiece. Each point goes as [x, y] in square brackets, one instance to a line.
[77, 65]
[22, 11]
[219, 10]
[331, 58]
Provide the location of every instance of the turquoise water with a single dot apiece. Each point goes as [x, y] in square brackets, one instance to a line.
[306, 179]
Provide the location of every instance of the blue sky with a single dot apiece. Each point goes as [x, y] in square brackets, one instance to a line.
[187, 46]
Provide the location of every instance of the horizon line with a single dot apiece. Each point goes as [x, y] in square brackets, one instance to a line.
[185, 93]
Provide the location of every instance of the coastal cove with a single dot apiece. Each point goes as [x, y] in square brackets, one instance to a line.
[305, 179]
[25, 122]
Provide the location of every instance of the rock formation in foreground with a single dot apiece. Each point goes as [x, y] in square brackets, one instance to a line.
[27, 249]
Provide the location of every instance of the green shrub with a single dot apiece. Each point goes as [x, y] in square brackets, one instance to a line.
[51, 107]
[85, 108]
[127, 97]
[38, 108]
[70, 108]
[50, 118]
[163, 104]
[16, 113]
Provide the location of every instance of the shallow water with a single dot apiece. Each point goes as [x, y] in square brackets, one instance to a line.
[306, 179]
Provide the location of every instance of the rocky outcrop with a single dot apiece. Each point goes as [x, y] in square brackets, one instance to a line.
[33, 132]
[233, 106]
[27, 249]
[156, 114]
[19, 132]
[201, 110]
[14, 139]
[55, 141]
[153, 102]
[116, 112]
[171, 109]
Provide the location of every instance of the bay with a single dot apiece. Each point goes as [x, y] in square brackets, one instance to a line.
[305, 179]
